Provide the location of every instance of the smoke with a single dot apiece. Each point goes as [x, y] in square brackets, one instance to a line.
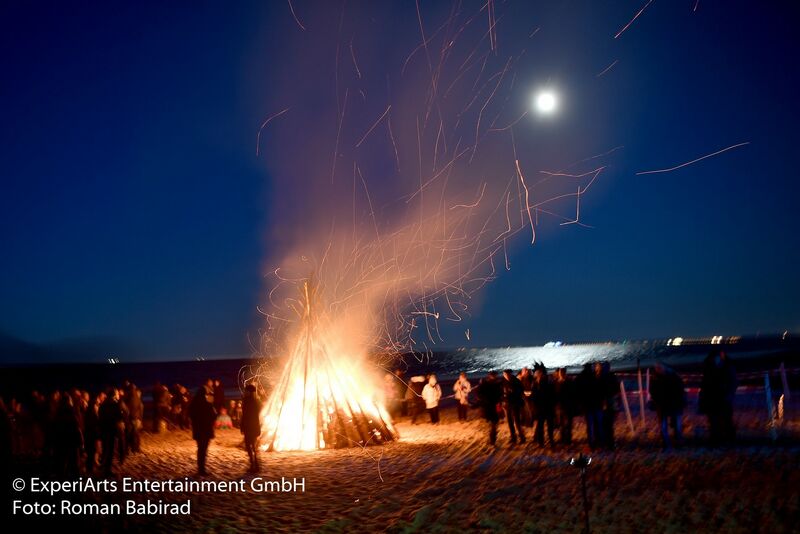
[399, 186]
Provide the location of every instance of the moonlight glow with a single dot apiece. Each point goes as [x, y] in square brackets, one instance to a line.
[546, 102]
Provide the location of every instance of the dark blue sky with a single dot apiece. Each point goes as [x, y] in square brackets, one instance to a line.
[134, 208]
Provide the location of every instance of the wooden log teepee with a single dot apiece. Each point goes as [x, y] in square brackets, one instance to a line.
[321, 400]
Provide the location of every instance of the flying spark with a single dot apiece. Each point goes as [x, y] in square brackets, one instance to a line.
[695, 160]
[636, 16]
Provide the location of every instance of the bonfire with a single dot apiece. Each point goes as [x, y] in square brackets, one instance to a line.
[323, 398]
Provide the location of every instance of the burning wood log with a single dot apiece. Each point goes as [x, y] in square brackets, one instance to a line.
[322, 399]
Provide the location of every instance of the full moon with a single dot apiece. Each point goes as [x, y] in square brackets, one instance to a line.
[546, 102]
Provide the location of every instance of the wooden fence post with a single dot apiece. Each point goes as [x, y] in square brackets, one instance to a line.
[786, 394]
[770, 410]
[641, 397]
[625, 405]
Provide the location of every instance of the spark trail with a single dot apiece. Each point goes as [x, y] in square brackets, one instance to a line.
[682, 165]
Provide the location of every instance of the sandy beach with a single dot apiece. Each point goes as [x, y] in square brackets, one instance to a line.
[296, 220]
[447, 478]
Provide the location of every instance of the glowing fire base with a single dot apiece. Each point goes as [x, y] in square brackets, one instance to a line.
[322, 400]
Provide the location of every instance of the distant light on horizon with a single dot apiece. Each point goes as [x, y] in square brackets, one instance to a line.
[675, 342]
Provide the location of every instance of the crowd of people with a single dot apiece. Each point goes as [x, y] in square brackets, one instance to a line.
[527, 399]
[547, 404]
[75, 432]
[207, 413]
[171, 407]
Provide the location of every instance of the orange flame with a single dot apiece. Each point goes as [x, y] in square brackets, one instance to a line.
[324, 398]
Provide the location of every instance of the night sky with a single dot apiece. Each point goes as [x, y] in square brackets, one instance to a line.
[135, 213]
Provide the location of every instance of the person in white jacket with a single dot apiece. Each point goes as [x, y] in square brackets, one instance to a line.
[431, 393]
[461, 389]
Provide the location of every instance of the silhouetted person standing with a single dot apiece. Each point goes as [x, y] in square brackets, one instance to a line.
[251, 424]
[68, 439]
[165, 407]
[414, 397]
[526, 377]
[543, 404]
[564, 397]
[158, 393]
[608, 387]
[669, 399]
[514, 405]
[717, 390]
[136, 414]
[588, 394]
[112, 429]
[180, 406]
[124, 442]
[490, 395]
[92, 434]
[202, 413]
